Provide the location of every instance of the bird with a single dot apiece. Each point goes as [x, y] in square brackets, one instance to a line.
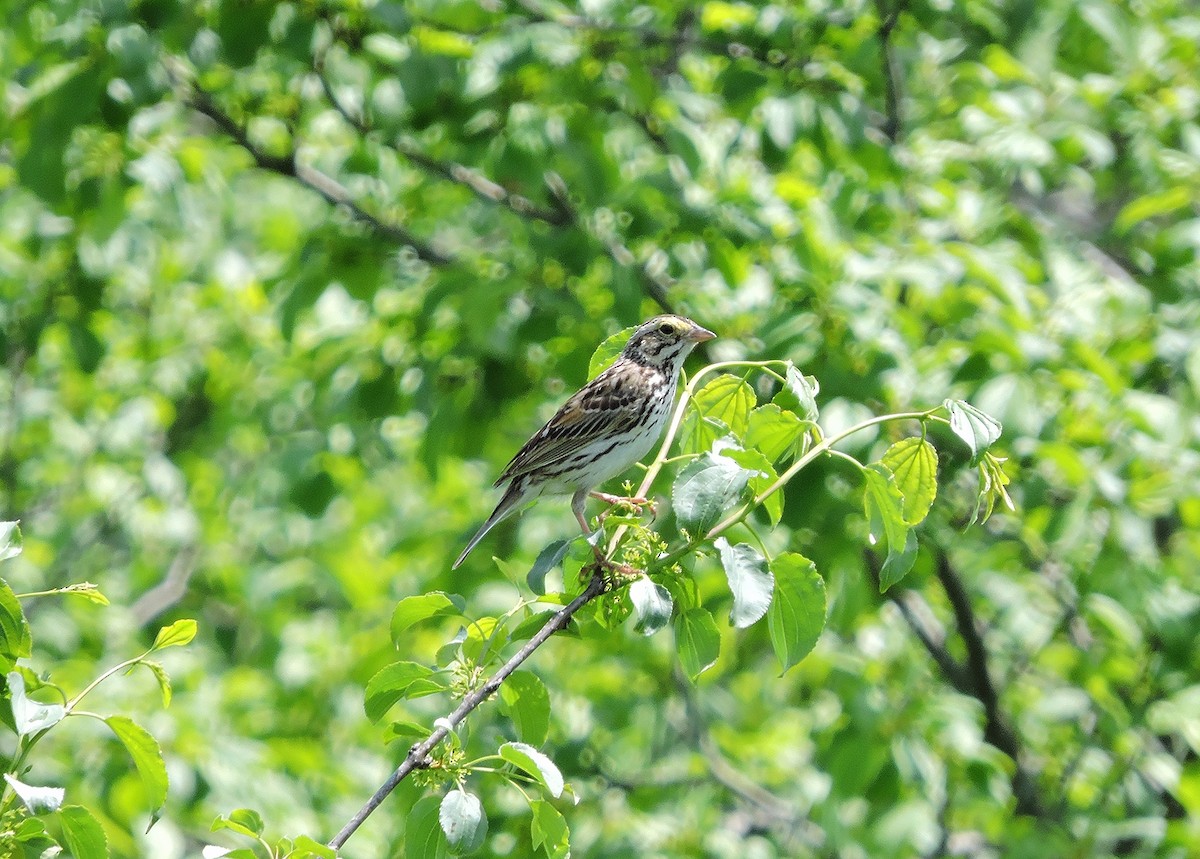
[605, 427]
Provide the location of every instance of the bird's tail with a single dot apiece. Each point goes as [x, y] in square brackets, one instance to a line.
[513, 498]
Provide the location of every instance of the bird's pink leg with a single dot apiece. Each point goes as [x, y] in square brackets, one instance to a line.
[636, 501]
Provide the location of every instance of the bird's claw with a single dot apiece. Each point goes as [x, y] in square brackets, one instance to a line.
[634, 501]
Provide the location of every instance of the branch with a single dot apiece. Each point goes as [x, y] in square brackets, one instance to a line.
[468, 177]
[891, 68]
[328, 187]
[418, 755]
[972, 678]
[996, 728]
[655, 284]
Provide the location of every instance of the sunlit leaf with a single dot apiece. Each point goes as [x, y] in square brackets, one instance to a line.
[83, 834]
[549, 558]
[463, 821]
[651, 605]
[423, 836]
[10, 540]
[15, 638]
[525, 757]
[38, 800]
[750, 582]
[608, 351]
[548, 830]
[697, 641]
[884, 507]
[31, 716]
[413, 609]
[978, 430]
[527, 704]
[179, 633]
[727, 399]
[799, 394]
[797, 613]
[774, 431]
[390, 684]
[147, 758]
[705, 489]
[914, 463]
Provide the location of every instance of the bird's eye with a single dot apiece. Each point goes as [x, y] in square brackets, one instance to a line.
[665, 328]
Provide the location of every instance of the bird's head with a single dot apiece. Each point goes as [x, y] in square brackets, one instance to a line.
[665, 341]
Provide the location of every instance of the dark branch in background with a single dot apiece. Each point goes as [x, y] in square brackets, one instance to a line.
[655, 284]
[768, 810]
[418, 755]
[468, 177]
[891, 67]
[973, 677]
[328, 187]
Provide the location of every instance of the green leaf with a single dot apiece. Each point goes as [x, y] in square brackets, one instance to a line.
[164, 680]
[1153, 205]
[884, 507]
[978, 430]
[705, 489]
[523, 697]
[727, 399]
[176, 635]
[305, 845]
[698, 432]
[536, 764]
[547, 559]
[38, 800]
[548, 830]
[410, 731]
[31, 716]
[244, 821]
[697, 640]
[147, 757]
[764, 477]
[531, 625]
[389, 685]
[797, 613]
[799, 394]
[992, 487]
[412, 609]
[914, 462]
[15, 638]
[82, 833]
[651, 605]
[773, 431]
[606, 353]
[463, 821]
[10, 540]
[750, 582]
[423, 836]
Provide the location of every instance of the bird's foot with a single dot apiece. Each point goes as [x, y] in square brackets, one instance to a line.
[633, 501]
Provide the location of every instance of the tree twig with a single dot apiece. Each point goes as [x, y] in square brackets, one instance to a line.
[973, 677]
[891, 67]
[328, 187]
[468, 177]
[418, 755]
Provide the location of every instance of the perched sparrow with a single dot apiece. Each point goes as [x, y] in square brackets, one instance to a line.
[610, 424]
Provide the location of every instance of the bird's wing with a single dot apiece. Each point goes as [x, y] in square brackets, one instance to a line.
[610, 404]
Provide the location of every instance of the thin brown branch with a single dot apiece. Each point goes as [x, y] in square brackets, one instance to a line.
[418, 755]
[328, 187]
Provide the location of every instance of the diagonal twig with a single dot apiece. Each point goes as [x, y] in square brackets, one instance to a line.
[328, 187]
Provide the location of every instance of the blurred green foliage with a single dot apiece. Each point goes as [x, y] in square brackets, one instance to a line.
[283, 285]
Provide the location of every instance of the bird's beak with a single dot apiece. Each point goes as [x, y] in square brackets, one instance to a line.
[699, 335]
